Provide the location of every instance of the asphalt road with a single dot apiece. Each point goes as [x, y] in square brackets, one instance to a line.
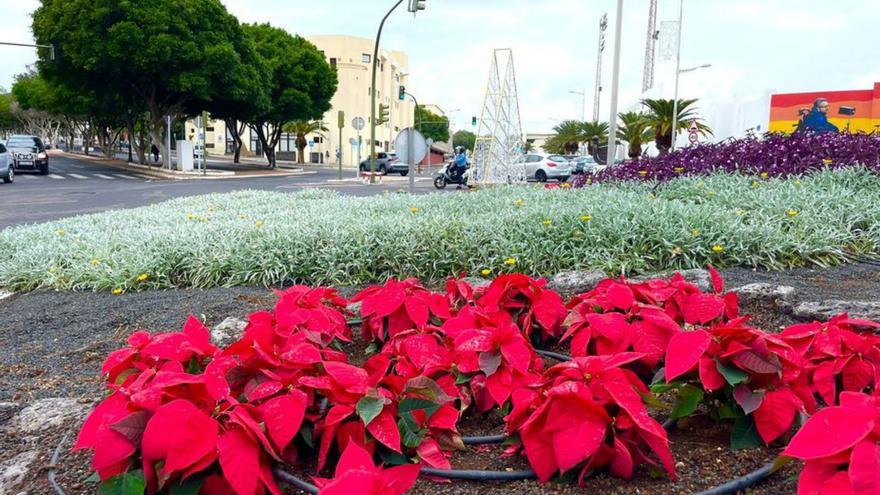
[75, 187]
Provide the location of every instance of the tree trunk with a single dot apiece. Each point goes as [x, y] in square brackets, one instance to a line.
[268, 142]
[87, 137]
[235, 131]
[300, 154]
[129, 127]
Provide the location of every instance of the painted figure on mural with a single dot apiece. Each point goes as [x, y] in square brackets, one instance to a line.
[817, 120]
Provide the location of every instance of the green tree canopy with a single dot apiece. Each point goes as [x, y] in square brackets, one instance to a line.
[464, 138]
[7, 120]
[660, 117]
[301, 129]
[635, 129]
[300, 82]
[569, 135]
[171, 54]
[432, 125]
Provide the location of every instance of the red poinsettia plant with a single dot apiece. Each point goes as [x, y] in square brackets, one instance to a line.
[840, 447]
[588, 413]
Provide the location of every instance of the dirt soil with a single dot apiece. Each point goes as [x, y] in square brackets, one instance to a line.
[52, 345]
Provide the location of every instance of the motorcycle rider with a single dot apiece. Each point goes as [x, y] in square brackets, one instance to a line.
[460, 163]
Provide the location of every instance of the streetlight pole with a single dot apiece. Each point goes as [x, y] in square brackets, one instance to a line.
[373, 95]
[615, 80]
[677, 73]
[583, 103]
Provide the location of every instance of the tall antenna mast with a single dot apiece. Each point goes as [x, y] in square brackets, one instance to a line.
[603, 25]
[650, 48]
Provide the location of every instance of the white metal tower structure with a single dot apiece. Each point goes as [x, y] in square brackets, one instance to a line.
[499, 147]
[603, 25]
[650, 48]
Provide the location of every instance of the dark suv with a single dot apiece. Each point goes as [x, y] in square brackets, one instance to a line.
[386, 163]
[28, 153]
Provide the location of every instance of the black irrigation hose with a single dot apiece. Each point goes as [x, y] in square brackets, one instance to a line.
[53, 463]
[553, 355]
[490, 439]
[475, 475]
[742, 483]
[292, 480]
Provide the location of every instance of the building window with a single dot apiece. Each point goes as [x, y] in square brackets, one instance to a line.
[287, 143]
[366, 58]
[210, 128]
[318, 139]
[209, 146]
[332, 62]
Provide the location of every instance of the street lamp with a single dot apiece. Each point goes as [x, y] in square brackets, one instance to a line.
[583, 103]
[679, 72]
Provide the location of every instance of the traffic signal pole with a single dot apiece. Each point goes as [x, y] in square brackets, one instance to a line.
[373, 94]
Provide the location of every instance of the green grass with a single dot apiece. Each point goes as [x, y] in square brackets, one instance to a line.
[319, 237]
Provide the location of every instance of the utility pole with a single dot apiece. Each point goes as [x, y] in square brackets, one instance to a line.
[677, 74]
[615, 80]
[168, 141]
[603, 25]
[650, 48]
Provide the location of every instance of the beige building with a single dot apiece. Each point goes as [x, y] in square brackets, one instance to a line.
[352, 58]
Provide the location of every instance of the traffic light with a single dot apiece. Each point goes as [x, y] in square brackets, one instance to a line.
[401, 94]
[417, 5]
[473, 121]
[384, 114]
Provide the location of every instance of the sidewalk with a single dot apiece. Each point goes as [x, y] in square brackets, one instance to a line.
[210, 173]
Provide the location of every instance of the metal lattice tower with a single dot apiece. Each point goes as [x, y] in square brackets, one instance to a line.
[499, 147]
[650, 48]
[603, 25]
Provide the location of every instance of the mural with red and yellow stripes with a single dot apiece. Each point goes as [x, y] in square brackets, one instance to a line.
[784, 109]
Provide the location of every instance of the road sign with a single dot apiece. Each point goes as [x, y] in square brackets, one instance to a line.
[311, 143]
[418, 146]
[429, 142]
[693, 129]
[358, 123]
[693, 137]
[341, 117]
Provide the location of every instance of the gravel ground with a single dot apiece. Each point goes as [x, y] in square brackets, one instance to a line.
[52, 345]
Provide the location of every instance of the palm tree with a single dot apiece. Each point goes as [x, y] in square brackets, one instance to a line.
[568, 138]
[597, 129]
[635, 129]
[660, 117]
[303, 128]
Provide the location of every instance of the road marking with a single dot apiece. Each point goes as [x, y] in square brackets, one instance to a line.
[55, 176]
[121, 176]
[77, 176]
[104, 176]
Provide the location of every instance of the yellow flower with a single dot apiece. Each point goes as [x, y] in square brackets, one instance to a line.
[259, 223]
[586, 218]
[59, 233]
[709, 194]
[589, 180]
[695, 232]
[190, 216]
[547, 223]
[739, 212]
[52, 270]
[211, 210]
[95, 261]
[486, 272]
[565, 185]
[203, 219]
[143, 276]
[643, 173]
[242, 216]
[764, 175]
[717, 248]
[510, 262]
[117, 291]
[413, 210]
[827, 161]
[755, 183]
[797, 182]
[519, 202]
[792, 213]
[678, 170]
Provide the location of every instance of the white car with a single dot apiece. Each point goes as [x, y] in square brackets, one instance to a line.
[7, 172]
[541, 167]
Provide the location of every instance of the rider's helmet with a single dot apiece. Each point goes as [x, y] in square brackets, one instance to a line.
[459, 149]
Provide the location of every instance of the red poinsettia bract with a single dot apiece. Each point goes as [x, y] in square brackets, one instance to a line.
[356, 473]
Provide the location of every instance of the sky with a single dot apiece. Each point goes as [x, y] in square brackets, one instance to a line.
[753, 46]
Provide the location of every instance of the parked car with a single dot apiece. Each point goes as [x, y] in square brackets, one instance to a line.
[28, 153]
[7, 172]
[541, 167]
[386, 163]
[586, 164]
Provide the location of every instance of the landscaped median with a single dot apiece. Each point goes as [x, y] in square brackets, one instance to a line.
[319, 237]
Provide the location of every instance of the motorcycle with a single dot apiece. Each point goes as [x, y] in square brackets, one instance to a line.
[446, 176]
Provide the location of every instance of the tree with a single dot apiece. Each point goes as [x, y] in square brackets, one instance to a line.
[302, 128]
[660, 117]
[170, 54]
[567, 139]
[464, 138]
[598, 130]
[37, 106]
[7, 119]
[300, 83]
[432, 125]
[635, 129]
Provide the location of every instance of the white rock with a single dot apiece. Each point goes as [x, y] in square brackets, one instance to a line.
[46, 413]
[4, 295]
[228, 331]
[574, 283]
[766, 293]
[14, 470]
[824, 310]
